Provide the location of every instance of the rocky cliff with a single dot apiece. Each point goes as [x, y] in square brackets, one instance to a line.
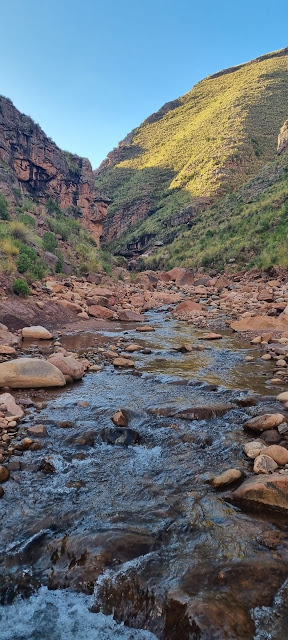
[32, 162]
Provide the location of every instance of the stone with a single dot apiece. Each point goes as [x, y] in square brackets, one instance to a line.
[1, 492]
[39, 430]
[211, 336]
[8, 338]
[283, 397]
[38, 333]
[120, 419]
[183, 348]
[120, 436]
[133, 347]
[95, 367]
[264, 464]
[253, 449]
[4, 473]
[131, 316]
[271, 436]
[225, 478]
[282, 428]
[11, 406]
[123, 362]
[264, 422]
[270, 492]
[186, 307]
[68, 365]
[97, 311]
[281, 363]
[145, 328]
[6, 349]
[277, 453]
[267, 356]
[26, 373]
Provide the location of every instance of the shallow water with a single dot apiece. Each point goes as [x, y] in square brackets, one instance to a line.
[135, 530]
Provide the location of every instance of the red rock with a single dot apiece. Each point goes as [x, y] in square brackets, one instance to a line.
[97, 311]
[131, 316]
[186, 307]
[263, 491]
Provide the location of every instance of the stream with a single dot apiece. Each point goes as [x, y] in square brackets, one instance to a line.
[104, 541]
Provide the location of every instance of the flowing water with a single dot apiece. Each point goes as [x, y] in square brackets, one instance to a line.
[135, 532]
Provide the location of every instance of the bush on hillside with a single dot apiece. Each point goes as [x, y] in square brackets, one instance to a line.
[50, 241]
[21, 288]
[28, 220]
[4, 212]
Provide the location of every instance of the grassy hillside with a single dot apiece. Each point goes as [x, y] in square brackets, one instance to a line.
[205, 144]
[247, 228]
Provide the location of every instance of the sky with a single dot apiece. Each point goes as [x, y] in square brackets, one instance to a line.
[88, 71]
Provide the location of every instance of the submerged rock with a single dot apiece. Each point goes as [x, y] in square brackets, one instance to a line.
[26, 373]
[123, 436]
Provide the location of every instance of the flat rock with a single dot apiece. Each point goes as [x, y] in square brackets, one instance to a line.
[123, 362]
[26, 373]
[131, 316]
[97, 311]
[6, 349]
[211, 336]
[37, 332]
[68, 365]
[264, 422]
[145, 328]
[39, 431]
[225, 478]
[186, 307]
[133, 347]
[270, 492]
[264, 464]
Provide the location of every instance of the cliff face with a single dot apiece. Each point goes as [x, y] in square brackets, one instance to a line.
[31, 161]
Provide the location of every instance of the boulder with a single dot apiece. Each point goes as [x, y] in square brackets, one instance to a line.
[38, 333]
[186, 307]
[123, 362]
[10, 405]
[68, 365]
[4, 473]
[264, 422]
[277, 453]
[6, 350]
[283, 397]
[39, 431]
[270, 492]
[131, 316]
[133, 347]
[211, 336]
[26, 373]
[264, 464]
[97, 311]
[8, 338]
[253, 449]
[225, 478]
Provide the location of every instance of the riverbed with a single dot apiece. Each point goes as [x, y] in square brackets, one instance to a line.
[136, 532]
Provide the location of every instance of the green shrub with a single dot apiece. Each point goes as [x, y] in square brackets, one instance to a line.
[4, 213]
[23, 263]
[50, 241]
[53, 207]
[28, 220]
[59, 264]
[21, 288]
[19, 231]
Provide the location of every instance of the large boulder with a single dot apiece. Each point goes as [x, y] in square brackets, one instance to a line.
[97, 311]
[38, 333]
[264, 422]
[27, 373]
[131, 316]
[68, 365]
[263, 491]
[186, 307]
[8, 403]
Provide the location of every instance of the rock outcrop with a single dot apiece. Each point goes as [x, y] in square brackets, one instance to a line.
[32, 162]
[283, 139]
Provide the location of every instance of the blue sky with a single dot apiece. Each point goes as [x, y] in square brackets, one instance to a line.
[88, 72]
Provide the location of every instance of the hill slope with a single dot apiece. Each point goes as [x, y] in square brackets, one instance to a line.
[193, 151]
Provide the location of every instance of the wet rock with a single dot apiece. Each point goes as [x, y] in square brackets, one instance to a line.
[146, 351]
[146, 328]
[203, 440]
[211, 336]
[264, 422]
[4, 473]
[39, 333]
[270, 492]
[183, 348]
[226, 478]
[186, 307]
[68, 365]
[8, 338]
[123, 362]
[47, 466]
[277, 453]
[253, 449]
[264, 464]
[30, 373]
[119, 418]
[95, 367]
[24, 445]
[86, 439]
[282, 428]
[122, 436]
[39, 430]
[1, 492]
[65, 424]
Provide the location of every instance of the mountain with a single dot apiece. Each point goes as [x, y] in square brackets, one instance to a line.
[49, 205]
[172, 171]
